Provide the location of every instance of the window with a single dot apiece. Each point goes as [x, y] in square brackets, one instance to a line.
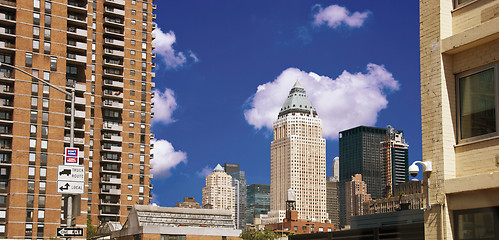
[133, 32]
[41, 214]
[43, 172]
[477, 103]
[32, 143]
[53, 63]
[130, 187]
[130, 166]
[41, 201]
[42, 186]
[130, 135]
[132, 114]
[48, 6]
[46, 47]
[29, 59]
[478, 223]
[36, 31]
[130, 155]
[129, 197]
[46, 76]
[130, 176]
[36, 18]
[133, 22]
[34, 102]
[36, 4]
[32, 157]
[133, 12]
[36, 45]
[33, 129]
[133, 42]
[31, 199]
[48, 20]
[458, 3]
[34, 116]
[47, 34]
[31, 171]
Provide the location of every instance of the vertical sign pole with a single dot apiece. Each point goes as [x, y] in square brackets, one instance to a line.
[69, 207]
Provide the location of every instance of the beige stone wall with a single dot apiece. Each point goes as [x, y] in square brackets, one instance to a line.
[468, 42]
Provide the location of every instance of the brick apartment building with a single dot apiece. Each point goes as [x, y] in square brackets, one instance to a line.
[102, 50]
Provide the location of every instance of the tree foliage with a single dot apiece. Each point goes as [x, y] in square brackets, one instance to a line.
[253, 234]
[91, 229]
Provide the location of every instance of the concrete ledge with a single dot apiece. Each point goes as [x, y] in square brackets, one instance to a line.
[472, 37]
[472, 183]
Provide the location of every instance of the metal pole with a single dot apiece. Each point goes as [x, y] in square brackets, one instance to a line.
[71, 138]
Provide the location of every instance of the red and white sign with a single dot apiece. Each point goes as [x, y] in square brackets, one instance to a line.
[71, 156]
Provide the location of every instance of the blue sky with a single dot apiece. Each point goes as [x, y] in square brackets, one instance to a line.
[225, 67]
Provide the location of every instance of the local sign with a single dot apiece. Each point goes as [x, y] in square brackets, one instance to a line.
[69, 232]
[67, 187]
[71, 156]
[71, 173]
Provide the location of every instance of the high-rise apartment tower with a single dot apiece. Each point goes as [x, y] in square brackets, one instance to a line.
[219, 192]
[395, 153]
[298, 158]
[102, 51]
[355, 197]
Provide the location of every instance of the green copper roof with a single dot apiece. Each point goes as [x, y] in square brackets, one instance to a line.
[297, 101]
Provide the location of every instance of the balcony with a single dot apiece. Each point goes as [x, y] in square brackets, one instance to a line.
[114, 52]
[104, 159]
[154, 17]
[82, 46]
[153, 65]
[111, 148]
[114, 11]
[114, 42]
[116, 21]
[112, 83]
[154, 6]
[76, 59]
[77, 6]
[7, 45]
[107, 137]
[6, 89]
[116, 2]
[112, 104]
[112, 127]
[110, 202]
[110, 180]
[114, 31]
[78, 113]
[80, 87]
[8, 18]
[111, 191]
[9, 32]
[75, 19]
[80, 100]
[113, 94]
[153, 55]
[112, 72]
[113, 63]
[77, 32]
[77, 140]
[153, 75]
[109, 213]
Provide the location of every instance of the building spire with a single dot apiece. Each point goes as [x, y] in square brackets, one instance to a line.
[297, 101]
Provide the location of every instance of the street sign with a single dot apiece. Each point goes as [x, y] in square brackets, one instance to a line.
[67, 187]
[71, 173]
[71, 156]
[69, 232]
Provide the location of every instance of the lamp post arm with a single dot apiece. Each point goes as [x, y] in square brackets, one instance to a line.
[37, 78]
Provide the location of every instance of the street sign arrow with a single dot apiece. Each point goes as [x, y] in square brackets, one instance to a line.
[67, 187]
[69, 232]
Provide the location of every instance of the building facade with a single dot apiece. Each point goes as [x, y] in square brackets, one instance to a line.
[219, 192]
[165, 223]
[459, 50]
[355, 197]
[239, 183]
[406, 196]
[332, 200]
[257, 201]
[189, 202]
[298, 158]
[395, 153]
[360, 153]
[102, 51]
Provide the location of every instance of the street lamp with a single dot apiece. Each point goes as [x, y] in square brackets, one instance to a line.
[427, 169]
[71, 131]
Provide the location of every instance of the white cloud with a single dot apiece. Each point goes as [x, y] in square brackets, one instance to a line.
[164, 47]
[335, 15]
[348, 101]
[164, 106]
[165, 158]
[207, 170]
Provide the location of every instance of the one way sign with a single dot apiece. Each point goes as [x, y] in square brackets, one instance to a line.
[66, 187]
[70, 232]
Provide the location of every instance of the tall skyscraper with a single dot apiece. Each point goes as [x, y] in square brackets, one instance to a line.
[239, 182]
[332, 193]
[219, 192]
[298, 158]
[355, 196]
[335, 169]
[360, 153]
[395, 155]
[102, 51]
[258, 201]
